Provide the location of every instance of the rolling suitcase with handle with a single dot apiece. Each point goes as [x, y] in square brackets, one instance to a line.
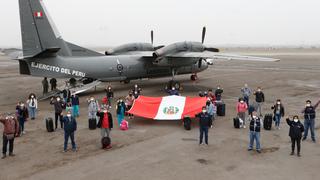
[267, 122]
[49, 124]
[92, 124]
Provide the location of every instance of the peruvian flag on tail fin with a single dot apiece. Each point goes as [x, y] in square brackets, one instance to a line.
[168, 107]
[38, 14]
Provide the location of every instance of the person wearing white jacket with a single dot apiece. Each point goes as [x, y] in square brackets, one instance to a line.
[32, 104]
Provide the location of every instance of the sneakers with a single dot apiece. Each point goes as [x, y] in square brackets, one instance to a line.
[244, 126]
[259, 151]
[3, 156]
[313, 140]
[23, 132]
[75, 150]
[11, 154]
[292, 153]
[249, 149]
[298, 154]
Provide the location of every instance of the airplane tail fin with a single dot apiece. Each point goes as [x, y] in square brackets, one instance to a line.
[40, 36]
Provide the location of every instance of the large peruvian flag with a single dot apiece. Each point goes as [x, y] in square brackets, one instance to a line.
[168, 107]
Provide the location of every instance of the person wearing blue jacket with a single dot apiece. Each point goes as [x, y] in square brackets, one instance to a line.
[70, 126]
[75, 105]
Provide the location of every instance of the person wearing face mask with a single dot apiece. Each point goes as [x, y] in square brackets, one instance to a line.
[246, 93]
[254, 133]
[59, 105]
[309, 119]
[295, 133]
[70, 126]
[278, 111]
[204, 123]
[75, 104]
[218, 93]
[10, 131]
[210, 108]
[259, 100]
[22, 116]
[105, 123]
[242, 107]
[129, 103]
[121, 108]
[93, 108]
[32, 103]
[109, 95]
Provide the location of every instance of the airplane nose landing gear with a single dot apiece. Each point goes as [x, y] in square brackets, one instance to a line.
[194, 77]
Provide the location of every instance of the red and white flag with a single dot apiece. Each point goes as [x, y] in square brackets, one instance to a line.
[38, 14]
[168, 107]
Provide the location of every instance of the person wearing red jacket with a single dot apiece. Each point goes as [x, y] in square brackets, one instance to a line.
[242, 107]
[105, 123]
[11, 129]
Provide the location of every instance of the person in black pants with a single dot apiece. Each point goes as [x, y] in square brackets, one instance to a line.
[296, 130]
[204, 123]
[53, 83]
[59, 105]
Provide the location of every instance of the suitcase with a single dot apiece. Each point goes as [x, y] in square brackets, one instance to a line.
[92, 124]
[236, 123]
[187, 123]
[105, 142]
[267, 122]
[49, 124]
[221, 109]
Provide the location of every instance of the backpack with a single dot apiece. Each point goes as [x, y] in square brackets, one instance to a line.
[124, 125]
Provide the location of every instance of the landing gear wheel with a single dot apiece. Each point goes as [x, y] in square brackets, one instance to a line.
[193, 77]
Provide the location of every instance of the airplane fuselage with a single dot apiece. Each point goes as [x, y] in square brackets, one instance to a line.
[106, 68]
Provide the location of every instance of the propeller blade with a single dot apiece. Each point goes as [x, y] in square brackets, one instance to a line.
[203, 34]
[152, 37]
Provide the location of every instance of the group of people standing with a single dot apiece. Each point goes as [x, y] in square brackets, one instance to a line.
[297, 131]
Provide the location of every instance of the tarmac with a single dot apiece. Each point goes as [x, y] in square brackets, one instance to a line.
[163, 149]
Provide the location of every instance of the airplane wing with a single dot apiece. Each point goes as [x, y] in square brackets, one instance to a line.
[218, 55]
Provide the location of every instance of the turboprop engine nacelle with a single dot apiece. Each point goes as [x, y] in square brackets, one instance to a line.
[130, 47]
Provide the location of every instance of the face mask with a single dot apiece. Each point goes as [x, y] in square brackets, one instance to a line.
[204, 111]
[58, 99]
[308, 105]
[278, 103]
[295, 120]
[105, 111]
[241, 102]
[92, 99]
[120, 100]
[172, 89]
[259, 90]
[254, 117]
[22, 105]
[32, 96]
[136, 86]
[109, 88]
[69, 115]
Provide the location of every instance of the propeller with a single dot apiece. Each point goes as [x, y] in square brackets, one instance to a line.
[155, 47]
[212, 49]
[152, 37]
[203, 34]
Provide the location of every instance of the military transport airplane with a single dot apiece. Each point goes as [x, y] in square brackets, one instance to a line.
[46, 54]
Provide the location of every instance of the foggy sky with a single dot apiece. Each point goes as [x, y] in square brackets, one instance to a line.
[114, 22]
